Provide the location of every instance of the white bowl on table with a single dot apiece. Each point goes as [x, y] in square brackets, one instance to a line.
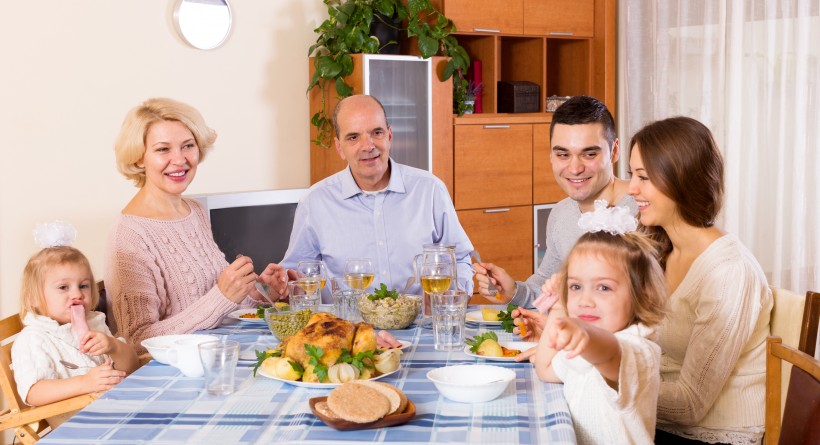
[160, 347]
[471, 383]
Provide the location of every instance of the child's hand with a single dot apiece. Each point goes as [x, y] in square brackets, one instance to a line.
[529, 324]
[96, 343]
[102, 378]
[565, 334]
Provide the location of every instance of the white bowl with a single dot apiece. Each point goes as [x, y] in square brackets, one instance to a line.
[471, 383]
[158, 347]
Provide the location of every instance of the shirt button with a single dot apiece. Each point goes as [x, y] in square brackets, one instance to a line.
[384, 272]
[381, 242]
[378, 212]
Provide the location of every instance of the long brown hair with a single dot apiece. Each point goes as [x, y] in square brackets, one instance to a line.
[32, 298]
[635, 255]
[683, 162]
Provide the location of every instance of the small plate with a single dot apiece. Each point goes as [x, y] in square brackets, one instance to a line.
[301, 384]
[475, 317]
[237, 315]
[345, 425]
[520, 345]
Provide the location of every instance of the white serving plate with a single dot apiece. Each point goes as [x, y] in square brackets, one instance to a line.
[302, 384]
[237, 315]
[520, 345]
[475, 317]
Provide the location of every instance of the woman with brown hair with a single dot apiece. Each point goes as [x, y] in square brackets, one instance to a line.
[714, 337]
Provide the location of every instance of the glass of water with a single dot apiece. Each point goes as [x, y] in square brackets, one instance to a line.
[449, 311]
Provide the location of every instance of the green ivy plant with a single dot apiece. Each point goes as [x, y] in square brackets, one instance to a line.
[347, 31]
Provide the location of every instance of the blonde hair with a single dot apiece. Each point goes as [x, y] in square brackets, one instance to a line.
[32, 298]
[635, 254]
[129, 147]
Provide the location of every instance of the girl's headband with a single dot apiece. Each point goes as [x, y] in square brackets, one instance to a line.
[54, 234]
[614, 220]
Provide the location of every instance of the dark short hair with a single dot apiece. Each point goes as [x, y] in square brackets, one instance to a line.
[339, 107]
[585, 110]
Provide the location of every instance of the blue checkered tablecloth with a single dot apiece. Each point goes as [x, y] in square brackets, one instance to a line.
[158, 405]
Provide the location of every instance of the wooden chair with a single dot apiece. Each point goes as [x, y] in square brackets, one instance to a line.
[27, 422]
[800, 420]
[811, 322]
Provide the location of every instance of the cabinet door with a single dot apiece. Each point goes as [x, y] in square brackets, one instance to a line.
[486, 15]
[493, 165]
[559, 17]
[544, 188]
[503, 236]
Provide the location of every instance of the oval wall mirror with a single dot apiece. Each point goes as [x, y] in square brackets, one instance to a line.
[203, 24]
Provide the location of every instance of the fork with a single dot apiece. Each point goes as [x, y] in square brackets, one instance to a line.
[491, 287]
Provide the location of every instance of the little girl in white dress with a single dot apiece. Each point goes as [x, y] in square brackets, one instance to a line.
[56, 301]
[598, 338]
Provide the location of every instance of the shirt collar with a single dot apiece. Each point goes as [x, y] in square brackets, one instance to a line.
[396, 183]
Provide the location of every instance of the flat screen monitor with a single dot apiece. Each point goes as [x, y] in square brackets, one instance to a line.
[255, 224]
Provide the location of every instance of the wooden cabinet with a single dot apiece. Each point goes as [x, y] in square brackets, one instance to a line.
[493, 165]
[544, 188]
[575, 18]
[505, 16]
[503, 236]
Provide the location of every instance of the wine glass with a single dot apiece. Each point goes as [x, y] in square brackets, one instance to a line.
[312, 273]
[359, 272]
[435, 277]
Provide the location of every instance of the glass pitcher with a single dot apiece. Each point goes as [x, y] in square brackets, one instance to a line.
[436, 269]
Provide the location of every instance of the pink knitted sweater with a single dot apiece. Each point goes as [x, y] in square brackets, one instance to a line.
[160, 276]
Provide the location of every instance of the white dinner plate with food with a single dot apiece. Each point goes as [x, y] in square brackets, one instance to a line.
[519, 345]
[312, 385]
[476, 317]
[246, 315]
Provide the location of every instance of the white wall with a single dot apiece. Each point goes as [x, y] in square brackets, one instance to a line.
[70, 70]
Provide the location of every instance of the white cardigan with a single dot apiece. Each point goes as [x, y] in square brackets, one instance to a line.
[713, 367]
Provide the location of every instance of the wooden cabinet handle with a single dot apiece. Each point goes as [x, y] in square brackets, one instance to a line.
[554, 33]
[486, 30]
[491, 127]
[496, 210]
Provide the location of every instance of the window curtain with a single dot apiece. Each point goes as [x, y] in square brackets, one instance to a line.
[748, 69]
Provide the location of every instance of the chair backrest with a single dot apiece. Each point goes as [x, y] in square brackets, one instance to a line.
[811, 322]
[787, 309]
[9, 327]
[801, 417]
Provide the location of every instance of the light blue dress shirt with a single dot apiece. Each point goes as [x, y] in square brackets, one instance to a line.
[336, 220]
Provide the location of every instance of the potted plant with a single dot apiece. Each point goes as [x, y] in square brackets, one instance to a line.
[347, 31]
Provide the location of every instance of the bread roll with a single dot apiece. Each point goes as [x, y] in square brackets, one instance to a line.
[358, 403]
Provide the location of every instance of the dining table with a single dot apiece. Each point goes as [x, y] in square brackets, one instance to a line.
[157, 404]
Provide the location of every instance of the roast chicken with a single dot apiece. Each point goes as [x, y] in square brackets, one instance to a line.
[332, 334]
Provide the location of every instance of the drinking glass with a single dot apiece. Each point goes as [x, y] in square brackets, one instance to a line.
[449, 311]
[312, 270]
[303, 295]
[346, 299]
[359, 272]
[219, 360]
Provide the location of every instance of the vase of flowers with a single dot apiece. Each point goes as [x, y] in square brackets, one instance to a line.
[473, 90]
